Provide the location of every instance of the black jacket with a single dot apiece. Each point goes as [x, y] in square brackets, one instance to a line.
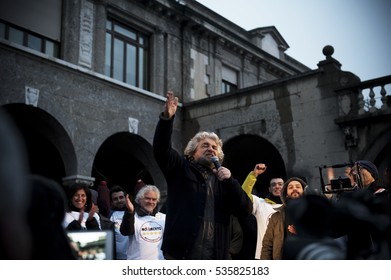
[186, 196]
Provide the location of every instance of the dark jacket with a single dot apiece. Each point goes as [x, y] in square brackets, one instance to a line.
[186, 196]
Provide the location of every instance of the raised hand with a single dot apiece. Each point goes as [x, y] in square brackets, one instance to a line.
[171, 105]
[259, 169]
[129, 204]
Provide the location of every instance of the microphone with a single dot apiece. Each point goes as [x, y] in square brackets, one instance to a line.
[216, 162]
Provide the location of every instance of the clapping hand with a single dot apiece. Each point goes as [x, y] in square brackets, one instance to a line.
[94, 209]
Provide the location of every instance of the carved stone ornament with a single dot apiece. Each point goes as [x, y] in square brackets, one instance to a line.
[133, 125]
[31, 95]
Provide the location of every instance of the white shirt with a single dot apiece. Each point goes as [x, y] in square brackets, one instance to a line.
[121, 241]
[146, 242]
[262, 212]
[74, 215]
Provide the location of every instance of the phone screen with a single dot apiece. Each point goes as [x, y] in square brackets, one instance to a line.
[92, 245]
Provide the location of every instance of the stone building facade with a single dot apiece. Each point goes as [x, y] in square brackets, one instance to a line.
[85, 81]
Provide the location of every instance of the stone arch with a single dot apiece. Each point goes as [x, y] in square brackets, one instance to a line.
[123, 158]
[50, 150]
[244, 151]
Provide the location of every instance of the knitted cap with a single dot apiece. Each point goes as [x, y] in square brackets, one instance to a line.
[284, 189]
[366, 164]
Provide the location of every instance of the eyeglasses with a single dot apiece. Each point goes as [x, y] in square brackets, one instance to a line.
[276, 183]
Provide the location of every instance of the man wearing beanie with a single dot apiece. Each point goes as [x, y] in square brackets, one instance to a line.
[280, 226]
[368, 175]
[365, 235]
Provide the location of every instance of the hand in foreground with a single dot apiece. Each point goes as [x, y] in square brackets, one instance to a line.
[171, 105]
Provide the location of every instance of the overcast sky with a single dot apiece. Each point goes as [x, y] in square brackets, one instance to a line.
[359, 30]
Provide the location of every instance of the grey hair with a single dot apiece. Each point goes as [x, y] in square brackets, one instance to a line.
[193, 143]
[145, 189]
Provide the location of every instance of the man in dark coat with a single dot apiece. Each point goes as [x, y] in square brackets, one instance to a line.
[201, 195]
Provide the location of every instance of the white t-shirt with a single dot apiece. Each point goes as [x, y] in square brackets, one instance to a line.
[262, 212]
[74, 215]
[146, 242]
[121, 241]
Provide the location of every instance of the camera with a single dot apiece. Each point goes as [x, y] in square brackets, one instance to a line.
[337, 181]
[340, 184]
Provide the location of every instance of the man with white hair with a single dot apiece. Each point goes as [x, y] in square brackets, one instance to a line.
[144, 225]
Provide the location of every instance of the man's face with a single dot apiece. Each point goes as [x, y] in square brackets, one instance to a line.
[365, 176]
[118, 200]
[294, 190]
[276, 186]
[206, 149]
[149, 202]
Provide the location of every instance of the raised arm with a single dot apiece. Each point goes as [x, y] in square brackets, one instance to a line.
[252, 178]
[127, 225]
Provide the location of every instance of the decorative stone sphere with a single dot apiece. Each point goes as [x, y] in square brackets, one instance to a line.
[328, 51]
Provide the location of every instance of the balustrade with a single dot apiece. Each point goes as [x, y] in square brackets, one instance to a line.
[366, 97]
